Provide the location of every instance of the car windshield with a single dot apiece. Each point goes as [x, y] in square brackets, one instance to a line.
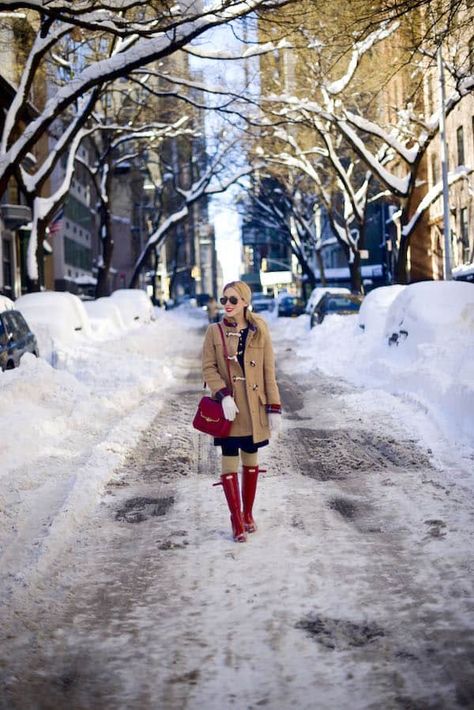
[342, 302]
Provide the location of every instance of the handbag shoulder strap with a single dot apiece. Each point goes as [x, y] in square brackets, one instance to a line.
[226, 356]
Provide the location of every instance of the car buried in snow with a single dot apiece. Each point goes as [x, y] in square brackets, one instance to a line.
[341, 304]
[290, 306]
[58, 320]
[317, 294]
[262, 302]
[135, 306]
[16, 339]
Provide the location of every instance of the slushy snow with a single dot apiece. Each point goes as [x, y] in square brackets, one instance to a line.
[66, 428]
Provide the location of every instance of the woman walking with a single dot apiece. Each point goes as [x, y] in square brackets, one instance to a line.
[251, 400]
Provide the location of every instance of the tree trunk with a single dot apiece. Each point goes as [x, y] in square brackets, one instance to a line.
[355, 271]
[142, 261]
[133, 283]
[106, 241]
[401, 270]
[322, 275]
[34, 285]
[308, 271]
[103, 286]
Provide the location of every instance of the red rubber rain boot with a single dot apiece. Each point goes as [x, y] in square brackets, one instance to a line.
[249, 488]
[230, 484]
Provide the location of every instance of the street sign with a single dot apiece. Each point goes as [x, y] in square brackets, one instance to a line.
[271, 278]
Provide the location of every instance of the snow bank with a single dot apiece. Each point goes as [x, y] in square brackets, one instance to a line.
[418, 343]
[65, 430]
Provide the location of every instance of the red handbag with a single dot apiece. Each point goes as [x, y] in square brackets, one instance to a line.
[209, 417]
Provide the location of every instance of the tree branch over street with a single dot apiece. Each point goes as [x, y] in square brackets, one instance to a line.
[135, 51]
[214, 179]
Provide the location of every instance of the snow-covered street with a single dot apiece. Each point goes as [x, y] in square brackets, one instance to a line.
[236, 355]
[122, 587]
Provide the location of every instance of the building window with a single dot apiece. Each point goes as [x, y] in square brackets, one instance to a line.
[460, 144]
[464, 227]
[434, 168]
[77, 255]
[471, 55]
[430, 92]
[7, 267]
[78, 212]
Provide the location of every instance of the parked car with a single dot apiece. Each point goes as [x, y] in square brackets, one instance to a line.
[6, 304]
[105, 316]
[202, 299]
[433, 313]
[341, 304]
[262, 302]
[290, 306]
[135, 306]
[16, 339]
[373, 311]
[317, 294]
[57, 316]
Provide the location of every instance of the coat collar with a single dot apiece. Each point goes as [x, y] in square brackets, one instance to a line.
[232, 324]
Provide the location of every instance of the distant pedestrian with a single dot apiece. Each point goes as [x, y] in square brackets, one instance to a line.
[212, 310]
[251, 400]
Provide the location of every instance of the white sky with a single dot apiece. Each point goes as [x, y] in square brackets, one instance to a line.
[227, 226]
[222, 211]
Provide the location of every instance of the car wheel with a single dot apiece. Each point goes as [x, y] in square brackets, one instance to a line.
[10, 365]
[320, 317]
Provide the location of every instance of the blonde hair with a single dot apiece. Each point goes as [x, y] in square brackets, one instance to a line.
[244, 292]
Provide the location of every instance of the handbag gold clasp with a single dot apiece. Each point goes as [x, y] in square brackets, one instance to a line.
[208, 419]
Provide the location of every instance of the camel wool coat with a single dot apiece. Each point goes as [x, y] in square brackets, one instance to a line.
[259, 387]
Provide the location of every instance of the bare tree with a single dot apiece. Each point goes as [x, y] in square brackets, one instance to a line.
[392, 152]
[280, 202]
[214, 178]
[112, 39]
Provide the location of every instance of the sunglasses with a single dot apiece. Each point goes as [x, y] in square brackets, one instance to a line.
[233, 299]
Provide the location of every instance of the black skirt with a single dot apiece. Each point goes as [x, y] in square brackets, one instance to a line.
[232, 444]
